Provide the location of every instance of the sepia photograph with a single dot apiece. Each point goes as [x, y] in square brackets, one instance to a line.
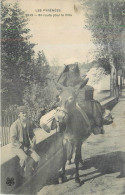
[62, 97]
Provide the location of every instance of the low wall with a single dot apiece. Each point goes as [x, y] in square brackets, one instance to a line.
[109, 103]
[49, 147]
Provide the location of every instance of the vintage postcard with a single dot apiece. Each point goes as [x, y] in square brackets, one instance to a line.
[63, 97]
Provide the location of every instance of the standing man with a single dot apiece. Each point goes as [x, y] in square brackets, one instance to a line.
[23, 139]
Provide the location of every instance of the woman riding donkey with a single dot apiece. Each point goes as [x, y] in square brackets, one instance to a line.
[70, 77]
[73, 118]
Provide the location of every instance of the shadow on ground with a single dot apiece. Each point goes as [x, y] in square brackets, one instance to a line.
[104, 164]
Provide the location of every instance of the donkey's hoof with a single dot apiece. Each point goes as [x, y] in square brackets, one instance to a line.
[121, 175]
[77, 182]
[62, 179]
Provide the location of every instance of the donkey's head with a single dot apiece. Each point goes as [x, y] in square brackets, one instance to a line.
[68, 102]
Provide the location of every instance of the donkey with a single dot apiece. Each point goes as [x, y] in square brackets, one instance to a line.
[77, 127]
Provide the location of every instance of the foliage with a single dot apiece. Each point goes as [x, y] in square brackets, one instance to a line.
[12, 110]
[88, 65]
[40, 93]
[104, 63]
[16, 54]
[106, 20]
[24, 76]
[40, 68]
[55, 68]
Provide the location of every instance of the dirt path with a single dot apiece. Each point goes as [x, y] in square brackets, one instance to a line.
[104, 157]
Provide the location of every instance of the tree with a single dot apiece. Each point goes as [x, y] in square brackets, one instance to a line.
[41, 68]
[37, 95]
[24, 76]
[55, 68]
[106, 21]
[16, 54]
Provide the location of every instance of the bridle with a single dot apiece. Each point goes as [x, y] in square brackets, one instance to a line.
[62, 111]
[59, 109]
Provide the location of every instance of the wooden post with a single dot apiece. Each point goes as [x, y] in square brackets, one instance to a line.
[3, 137]
[9, 128]
[2, 144]
[5, 131]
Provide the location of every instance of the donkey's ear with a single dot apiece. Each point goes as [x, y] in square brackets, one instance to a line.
[66, 69]
[84, 83]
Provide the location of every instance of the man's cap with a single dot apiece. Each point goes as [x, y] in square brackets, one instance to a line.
[22, 109]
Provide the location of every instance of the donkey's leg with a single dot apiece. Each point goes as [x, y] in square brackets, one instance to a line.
[64, 155]
[70, 152]
[64, 159]
[77, 159]
[80, 158]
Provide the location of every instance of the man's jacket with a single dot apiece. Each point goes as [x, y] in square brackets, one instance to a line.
[16, 133]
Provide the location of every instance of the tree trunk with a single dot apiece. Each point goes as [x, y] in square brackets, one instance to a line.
[113, 74]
